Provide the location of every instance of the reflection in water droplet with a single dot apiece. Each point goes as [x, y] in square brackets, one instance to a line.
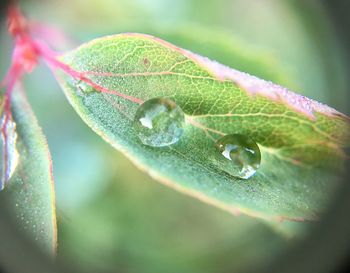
[159, 122]
[239, 155]
[8, 151]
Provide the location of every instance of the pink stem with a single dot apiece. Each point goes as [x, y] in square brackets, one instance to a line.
[25, 55]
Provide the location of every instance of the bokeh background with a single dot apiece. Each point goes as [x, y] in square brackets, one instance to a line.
[113, 217]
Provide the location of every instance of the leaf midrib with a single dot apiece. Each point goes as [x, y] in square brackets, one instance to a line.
[190, 118]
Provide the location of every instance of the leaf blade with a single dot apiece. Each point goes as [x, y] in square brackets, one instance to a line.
[30, 191]
[136, 67]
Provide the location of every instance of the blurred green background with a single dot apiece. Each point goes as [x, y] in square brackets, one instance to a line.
[113, 217]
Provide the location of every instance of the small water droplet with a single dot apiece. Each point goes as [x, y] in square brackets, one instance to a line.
[8, 150]
[83, 88]
[239, 155]
[159, 122]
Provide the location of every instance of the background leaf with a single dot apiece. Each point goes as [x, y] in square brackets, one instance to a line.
[296, 135]
[30, 191]
[227, 49]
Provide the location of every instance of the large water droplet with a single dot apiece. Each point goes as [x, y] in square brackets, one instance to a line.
[239, 155]
[8, 151]
[159, 122]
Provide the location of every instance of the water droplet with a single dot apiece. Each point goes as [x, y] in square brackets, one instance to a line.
[239, 155]
[83, 87]
[159, 122]
[8, 150]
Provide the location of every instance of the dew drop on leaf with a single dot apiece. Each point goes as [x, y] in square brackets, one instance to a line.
[83, 87]
[239, 155]
[159, 122]
[8, 152]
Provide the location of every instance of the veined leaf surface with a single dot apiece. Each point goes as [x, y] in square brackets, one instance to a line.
[29, 193]
[301, 140]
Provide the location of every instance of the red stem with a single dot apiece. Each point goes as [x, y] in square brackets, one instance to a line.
[27, 51]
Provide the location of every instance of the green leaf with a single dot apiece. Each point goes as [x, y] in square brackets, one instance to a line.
[301, 140]
[29, 193]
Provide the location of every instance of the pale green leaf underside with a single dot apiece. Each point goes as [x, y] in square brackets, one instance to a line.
[30, 191]
[298, 137]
